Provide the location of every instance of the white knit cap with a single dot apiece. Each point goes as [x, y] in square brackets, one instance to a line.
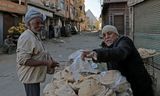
[109, 28]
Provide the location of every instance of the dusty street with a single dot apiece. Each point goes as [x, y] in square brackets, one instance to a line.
[9, 84]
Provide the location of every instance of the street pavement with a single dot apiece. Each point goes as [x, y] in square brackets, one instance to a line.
[60, 49]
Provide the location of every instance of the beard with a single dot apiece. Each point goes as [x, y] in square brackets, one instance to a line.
[35, 31]
[109, 43]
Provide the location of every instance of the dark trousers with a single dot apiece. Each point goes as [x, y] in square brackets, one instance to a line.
[142, 89]
[32, 89]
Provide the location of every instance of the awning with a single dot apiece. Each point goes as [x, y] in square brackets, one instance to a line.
[134, 2]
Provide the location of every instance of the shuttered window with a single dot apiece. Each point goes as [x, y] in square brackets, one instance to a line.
[147, 25]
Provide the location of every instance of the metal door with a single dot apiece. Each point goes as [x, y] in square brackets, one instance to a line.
[147, 25]
[119, 23]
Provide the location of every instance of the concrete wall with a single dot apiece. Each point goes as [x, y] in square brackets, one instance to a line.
[116, 14]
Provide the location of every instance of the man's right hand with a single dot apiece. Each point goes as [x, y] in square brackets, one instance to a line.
[52, 63]
[89, 54]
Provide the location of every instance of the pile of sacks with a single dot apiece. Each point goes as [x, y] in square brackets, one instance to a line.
[83, 78]
[146, 52]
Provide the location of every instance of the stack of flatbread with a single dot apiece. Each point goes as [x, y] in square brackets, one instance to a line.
[146, 52]
[110, 83]
[83, 79]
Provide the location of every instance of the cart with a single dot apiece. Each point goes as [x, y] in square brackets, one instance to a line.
[152, 66]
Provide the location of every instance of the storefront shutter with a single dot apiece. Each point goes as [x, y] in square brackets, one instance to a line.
[147, 25]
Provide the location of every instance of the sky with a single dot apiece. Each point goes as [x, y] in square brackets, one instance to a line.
[94, 6]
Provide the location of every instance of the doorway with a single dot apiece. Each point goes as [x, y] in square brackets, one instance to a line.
[119, 23]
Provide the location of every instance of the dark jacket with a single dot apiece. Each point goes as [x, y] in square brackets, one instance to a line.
[123, 56]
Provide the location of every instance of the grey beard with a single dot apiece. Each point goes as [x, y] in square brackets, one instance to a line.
[36, 32]
[109, 44]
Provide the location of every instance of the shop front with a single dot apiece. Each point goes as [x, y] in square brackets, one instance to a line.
[12, 12]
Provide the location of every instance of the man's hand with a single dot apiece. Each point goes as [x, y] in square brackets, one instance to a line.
[52, 63]
[51, 66]
[55, 63]
[88, 54]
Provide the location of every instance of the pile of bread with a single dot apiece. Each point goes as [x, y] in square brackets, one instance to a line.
[146, 52]
[83, 78]
[109, 83]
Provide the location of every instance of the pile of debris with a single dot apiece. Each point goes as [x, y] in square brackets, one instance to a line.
[83, 78]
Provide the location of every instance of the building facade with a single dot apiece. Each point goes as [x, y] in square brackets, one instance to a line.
[58, 12]
[91, 20]
[11, 13]
[144, 23]
[63, 11]
[116, 12]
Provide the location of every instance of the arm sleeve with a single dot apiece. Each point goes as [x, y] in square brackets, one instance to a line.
[25, 49]
[120, 52]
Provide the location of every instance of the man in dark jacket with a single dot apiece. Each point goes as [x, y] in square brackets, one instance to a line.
[120, 54]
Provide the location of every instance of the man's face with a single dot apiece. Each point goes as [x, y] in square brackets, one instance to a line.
[109, 38]
[36, 25]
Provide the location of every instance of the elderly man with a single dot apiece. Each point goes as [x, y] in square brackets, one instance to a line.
[32, 58]
[120, 54]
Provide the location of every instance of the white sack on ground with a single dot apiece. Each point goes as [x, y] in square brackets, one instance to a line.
[114, 80]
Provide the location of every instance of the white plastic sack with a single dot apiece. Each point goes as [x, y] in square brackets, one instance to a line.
[79, 66]
[114, 80]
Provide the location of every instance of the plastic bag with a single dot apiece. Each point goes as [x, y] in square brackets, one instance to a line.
[114, 80]
[79, 66]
